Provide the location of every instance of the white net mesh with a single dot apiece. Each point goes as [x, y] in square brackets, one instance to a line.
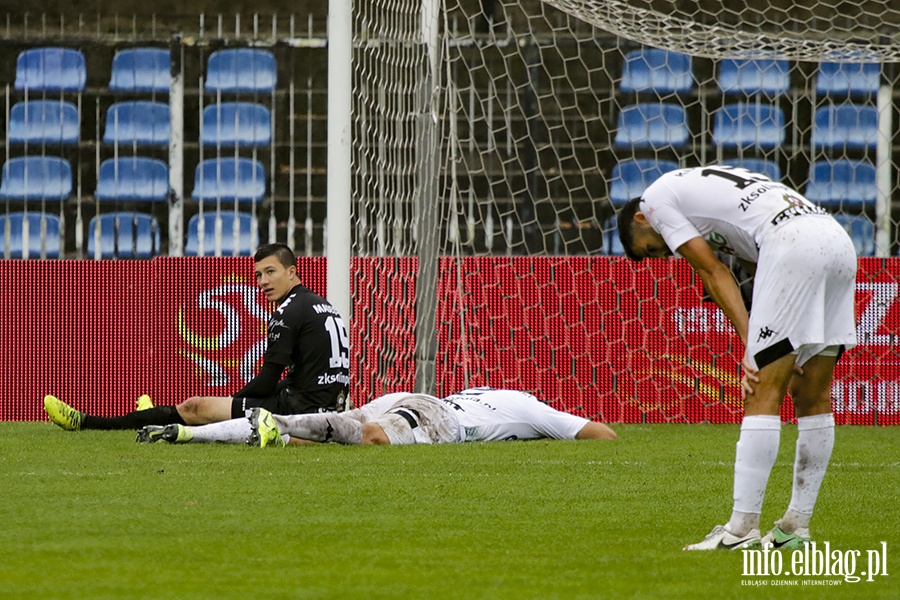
[812, 30]
[526, 124]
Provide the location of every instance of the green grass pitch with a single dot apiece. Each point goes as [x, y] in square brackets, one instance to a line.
[94, 515]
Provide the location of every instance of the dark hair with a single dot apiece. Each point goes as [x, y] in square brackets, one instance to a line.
[625, 224]
[284, 254]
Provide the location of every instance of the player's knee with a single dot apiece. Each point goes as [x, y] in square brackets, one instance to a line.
[191, 408]
[374, 435]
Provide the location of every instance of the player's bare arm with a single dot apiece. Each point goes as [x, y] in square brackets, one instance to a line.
[595, 431]
[719, 282]
[722, 288]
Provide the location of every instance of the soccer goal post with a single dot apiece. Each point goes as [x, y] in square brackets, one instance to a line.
[339, 183]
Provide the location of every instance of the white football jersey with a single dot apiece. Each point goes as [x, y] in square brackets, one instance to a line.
[487, 415]
[730, 207]
[382, 404]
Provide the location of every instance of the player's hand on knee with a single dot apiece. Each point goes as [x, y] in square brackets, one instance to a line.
[750, 377]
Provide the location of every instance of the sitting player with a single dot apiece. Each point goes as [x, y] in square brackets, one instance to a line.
[307, 342]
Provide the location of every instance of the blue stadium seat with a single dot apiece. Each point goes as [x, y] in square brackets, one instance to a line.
[862, 232]
[141, 70]
[754, 76]
[848, 79]
[845, 127]
[769, 168]
[220, 226]
[133, 178]
[654, 70]
[140, 122]
[46, 178]
[652, 125]
[229, 179]
[236, 70]
[842, 183]
[123, 235]
[631, 177]
[748, 125]
[44, 121]
[236, 124]
[19, 239]
[51, 70]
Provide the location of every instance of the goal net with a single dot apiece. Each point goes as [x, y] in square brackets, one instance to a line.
[494, 140]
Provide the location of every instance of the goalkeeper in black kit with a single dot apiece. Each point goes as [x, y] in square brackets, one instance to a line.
[307, 345]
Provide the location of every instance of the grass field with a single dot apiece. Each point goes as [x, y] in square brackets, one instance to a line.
[94, 515]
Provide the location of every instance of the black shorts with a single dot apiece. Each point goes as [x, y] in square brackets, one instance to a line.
[286, 401]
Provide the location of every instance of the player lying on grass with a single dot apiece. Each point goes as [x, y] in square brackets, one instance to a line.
[801, 320]
[306, 337]
[478, 414]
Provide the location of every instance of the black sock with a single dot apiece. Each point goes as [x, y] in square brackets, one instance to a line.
[159, 415]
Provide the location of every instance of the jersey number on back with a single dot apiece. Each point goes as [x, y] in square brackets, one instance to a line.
[340, 343]
[737, 175]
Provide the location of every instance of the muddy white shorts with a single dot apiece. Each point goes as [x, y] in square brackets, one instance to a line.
[803, 292]
[419, 419]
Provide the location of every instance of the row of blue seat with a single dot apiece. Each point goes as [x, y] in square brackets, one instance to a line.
[145, 70]
[127, 235]
[132, 178]
[657, 125]
[141, 123]
[847, 184]
[664, 72]
[254, 70]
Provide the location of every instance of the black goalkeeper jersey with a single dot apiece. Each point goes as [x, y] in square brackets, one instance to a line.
[307, 334]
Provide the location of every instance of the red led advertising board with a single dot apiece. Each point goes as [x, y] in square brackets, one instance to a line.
[596, 336]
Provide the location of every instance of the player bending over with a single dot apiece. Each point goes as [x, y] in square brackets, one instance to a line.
[306, 338]
[801, 320]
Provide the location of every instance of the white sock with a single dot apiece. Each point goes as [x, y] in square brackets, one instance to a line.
[235, 431]
[815, 441]
[754, 458]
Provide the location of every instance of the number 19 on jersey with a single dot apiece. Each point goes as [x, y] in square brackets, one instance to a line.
[340, 343]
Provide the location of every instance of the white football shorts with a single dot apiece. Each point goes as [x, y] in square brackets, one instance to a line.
[803, 292]
[418, 419]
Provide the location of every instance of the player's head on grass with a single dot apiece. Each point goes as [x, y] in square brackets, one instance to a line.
[639, 239]
[276, 271]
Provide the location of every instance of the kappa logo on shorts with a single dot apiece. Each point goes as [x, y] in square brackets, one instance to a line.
[765, 333]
